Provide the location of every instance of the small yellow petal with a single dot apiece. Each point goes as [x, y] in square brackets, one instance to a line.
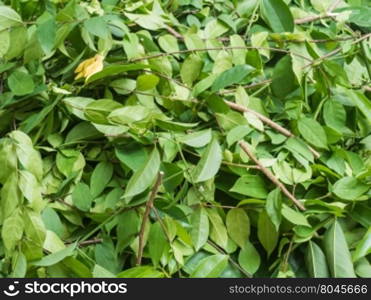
[89, 67]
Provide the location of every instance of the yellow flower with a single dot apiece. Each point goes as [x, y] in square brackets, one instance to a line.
[89, 67]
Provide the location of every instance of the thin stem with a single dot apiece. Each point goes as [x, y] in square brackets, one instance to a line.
[249, 86]
[267, 121]
[220, 250]
[315, 18]
[270, 175]
[149, 206]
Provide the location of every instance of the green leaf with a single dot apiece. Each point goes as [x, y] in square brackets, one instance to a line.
[97, 26]
[218, 232]
[232, 76]
[200, 228]
[191, 69]
[144, 177]
[100, 272]
[8, 18]
[35, 231]
[249, 258]
[361, 16]
[168, 43]
[349, 188]
[128, 114]
[239, 55]
[46, 32]
[210, 267]
[237, 134]
[337, 252]
[141, 272]
[102, 174]
[81, 196]
[217, 104]
[20, 266]
[267, 233]
[123, 86]
[98, 111]
[312, 132]
[293, 216]
[52, 221]
[334, 115]
[112, 70]
[27, 155]
[157, 243]
[273, 207]
[127, 228]
[250, 185]
[30, 188]
[175, 126]
[4, 43]
[363, 247]
[8, 159]
[147, 82]
[56, 257]
[150, 21]
[70, 161]
[11, 196]
[360, 101]
[12, 231]
[277, 15]
[238, 226]
[197, 139]
[209, 163]
[316, 261]
[106, 256]
[134, 156]
[21, 83]
[284, 79]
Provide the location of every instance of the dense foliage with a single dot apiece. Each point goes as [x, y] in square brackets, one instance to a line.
[185, 138]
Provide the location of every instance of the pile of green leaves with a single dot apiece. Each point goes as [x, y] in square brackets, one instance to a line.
[80, 158]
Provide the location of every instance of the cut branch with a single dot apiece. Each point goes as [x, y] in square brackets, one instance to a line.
[270, 176]
[149, 206]
[267, 121]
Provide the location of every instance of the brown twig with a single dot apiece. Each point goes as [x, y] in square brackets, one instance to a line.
[318, 41]
[315, 18]
[333, 5]
[220, 250]
[90, 242]
[249, 86]
[328, 14]
[174, 33]
[270, 175]
[149, 206]
[263, 118]
[65, 203]
[337, 50]
[267, 121]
